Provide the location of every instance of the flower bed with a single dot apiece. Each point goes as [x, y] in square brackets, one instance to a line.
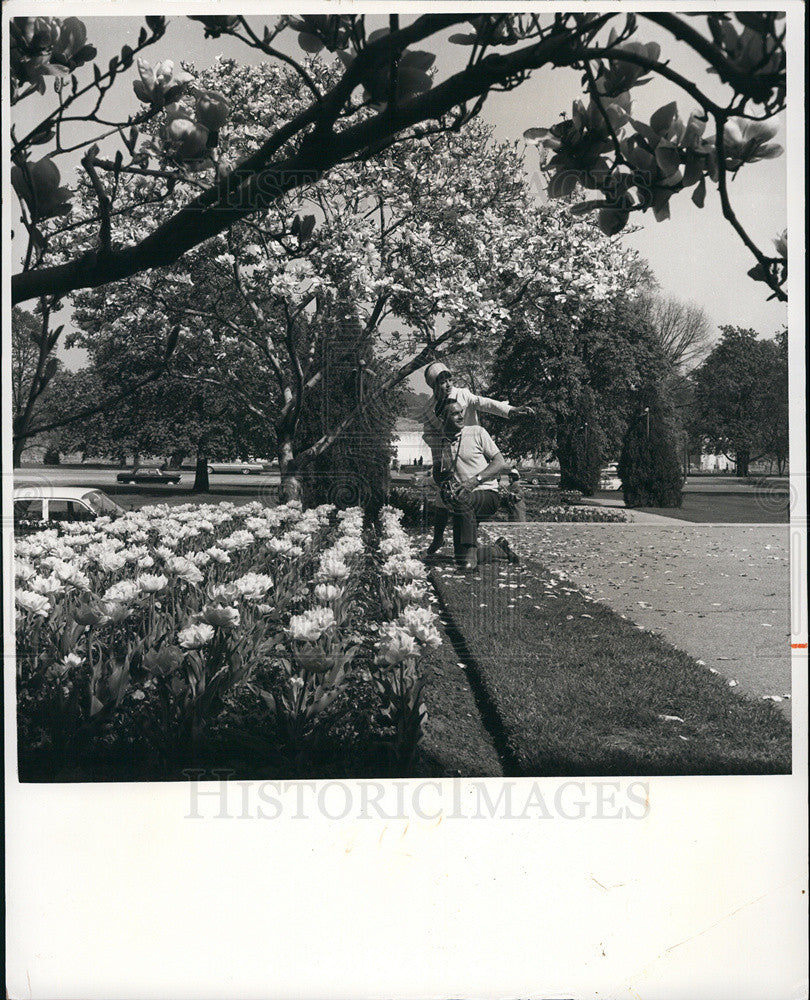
[200, 636]
[541, 505]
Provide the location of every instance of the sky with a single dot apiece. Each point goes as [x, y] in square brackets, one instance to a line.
[695, 255]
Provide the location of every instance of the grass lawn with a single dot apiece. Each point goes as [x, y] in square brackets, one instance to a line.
[456, 741]
[730, 508]
[574, 689]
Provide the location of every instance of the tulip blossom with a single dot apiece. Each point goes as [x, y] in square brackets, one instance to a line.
[35, 604]
[311, 625]
[220, 616]
[195, 636]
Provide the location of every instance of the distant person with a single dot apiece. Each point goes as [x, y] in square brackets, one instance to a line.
[440, 380]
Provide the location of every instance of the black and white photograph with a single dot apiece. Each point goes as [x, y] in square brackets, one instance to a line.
[404, 458]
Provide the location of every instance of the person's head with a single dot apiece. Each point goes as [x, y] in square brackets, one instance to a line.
[439, 378]
[453, 418]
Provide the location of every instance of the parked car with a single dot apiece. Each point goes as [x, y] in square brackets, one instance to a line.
[231, 468]
[34, 506]
[538, 475]
[149, 475]
[609, 478]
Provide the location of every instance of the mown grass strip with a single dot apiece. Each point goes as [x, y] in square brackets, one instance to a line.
[456, 741]
[580, 691]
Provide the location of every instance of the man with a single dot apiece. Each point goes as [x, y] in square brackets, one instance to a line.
[467, 471]
[440, 380]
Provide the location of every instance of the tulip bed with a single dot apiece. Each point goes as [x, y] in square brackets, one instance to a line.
[174, 640]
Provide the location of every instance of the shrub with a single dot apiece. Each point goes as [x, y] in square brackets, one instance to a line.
[580, 449]
[649, 467]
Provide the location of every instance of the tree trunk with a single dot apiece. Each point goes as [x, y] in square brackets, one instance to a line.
[742, 458]
[201, 484]
[16, 457]
[176, 459]
[292, 485]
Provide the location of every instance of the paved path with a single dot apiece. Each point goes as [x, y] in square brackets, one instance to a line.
[719, 592]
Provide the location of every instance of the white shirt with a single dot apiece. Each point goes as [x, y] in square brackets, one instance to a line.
[471, 404]
[469, 454]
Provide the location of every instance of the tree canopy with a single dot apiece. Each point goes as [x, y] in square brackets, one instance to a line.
[741, 397]
[382, 88]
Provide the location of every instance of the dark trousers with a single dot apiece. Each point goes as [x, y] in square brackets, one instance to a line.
[467, 512]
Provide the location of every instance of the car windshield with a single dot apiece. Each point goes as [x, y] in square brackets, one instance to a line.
[102, 504]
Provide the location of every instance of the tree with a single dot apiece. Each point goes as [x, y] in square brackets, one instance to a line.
[387, 92]
[649, 466]
[32, 369]
[740, 406]
[683, 329]
[177, 414]
[581, 364]
[441, 238]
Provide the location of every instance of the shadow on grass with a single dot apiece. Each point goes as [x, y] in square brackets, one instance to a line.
[576, 690]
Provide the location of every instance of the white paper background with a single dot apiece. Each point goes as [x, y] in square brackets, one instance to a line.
[113, 892]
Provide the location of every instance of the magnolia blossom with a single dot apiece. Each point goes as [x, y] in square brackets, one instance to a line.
[220, 616]
[310, 625]
[195, 636]
[150, 583]
[36, 604]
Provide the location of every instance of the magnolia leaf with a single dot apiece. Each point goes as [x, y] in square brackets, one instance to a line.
[347, 58]
[309, 42]
[412, 81]
[613, 220]
[415, 59]
[536, 133]
[583, 207]
[664, 117]
[563, 184]
[307, 227]
[375, 35]
[758, 273]
[668, 159]
[458, 39]
[660, 204]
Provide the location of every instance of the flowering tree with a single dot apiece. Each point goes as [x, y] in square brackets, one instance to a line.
[420, 251]
[385, 90]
